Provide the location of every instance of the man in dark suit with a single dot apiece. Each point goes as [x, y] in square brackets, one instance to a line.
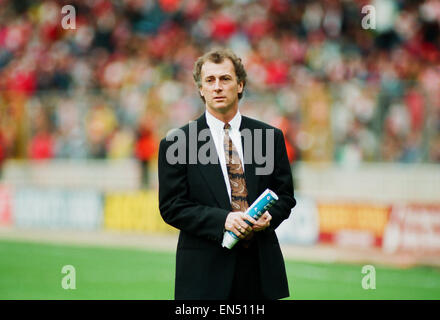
[210, 171]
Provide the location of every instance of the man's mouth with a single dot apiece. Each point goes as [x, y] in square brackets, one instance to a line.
[219, 98]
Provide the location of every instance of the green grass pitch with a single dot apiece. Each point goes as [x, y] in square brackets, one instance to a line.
[34, 271]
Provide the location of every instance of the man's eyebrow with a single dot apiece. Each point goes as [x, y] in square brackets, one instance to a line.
[220, 76]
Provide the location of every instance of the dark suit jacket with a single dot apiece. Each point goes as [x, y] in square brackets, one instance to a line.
[193, 198]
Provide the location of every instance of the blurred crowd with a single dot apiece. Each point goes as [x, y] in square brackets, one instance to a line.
[116, 83]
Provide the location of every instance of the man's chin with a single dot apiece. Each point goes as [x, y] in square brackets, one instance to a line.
[221, 107]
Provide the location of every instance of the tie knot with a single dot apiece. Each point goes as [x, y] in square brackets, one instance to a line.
[227, 126]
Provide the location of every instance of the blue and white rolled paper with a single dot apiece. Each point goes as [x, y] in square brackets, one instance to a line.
[256, 210]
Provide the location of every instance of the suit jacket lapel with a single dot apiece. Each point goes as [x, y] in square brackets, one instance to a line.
[249, 166]
[212, 172]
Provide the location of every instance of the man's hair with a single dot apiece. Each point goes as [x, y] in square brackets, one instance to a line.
[218, 56]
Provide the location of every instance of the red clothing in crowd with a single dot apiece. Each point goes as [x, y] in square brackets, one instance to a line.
[41, 146]
[22, 81]
[2, 149]
[285, 127]
[415, 105]
[223, 27]
[146, 146]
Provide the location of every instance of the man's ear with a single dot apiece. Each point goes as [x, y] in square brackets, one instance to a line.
[240, 87]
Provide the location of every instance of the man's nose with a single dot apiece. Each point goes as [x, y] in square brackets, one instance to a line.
[217, 85]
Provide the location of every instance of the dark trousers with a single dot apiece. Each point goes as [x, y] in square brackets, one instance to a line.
[246, 284]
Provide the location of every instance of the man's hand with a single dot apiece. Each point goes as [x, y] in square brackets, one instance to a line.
[236, 222]
[263, 222]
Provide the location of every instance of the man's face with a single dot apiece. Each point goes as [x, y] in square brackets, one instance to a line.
[220, 89]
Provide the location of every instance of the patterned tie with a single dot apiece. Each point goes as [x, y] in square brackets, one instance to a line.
[236, 179]
[235, 173]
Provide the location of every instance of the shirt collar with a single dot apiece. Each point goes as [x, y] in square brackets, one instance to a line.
[214, 123]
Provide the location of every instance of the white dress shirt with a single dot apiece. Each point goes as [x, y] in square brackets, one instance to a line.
[216, 127]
